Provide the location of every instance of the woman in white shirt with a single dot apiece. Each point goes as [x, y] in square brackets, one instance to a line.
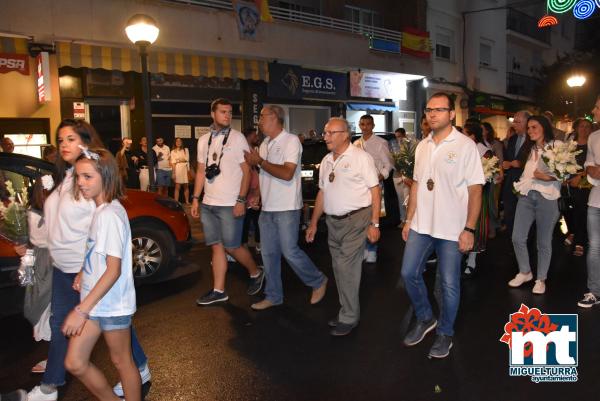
[538, 195]
[180, 162]
[68, 221]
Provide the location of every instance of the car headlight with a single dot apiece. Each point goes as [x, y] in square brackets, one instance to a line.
[170, 203]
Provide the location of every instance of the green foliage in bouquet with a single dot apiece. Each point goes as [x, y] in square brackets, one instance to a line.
[404, 159]
[13, 215]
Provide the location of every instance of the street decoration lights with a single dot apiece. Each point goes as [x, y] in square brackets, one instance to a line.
[142, 31]
[560, 6]
[584, 9]
[576, 81]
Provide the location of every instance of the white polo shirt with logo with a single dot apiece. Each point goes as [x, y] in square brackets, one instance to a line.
[224, 189]
[279, 195]
[453, 165]
[354, 176]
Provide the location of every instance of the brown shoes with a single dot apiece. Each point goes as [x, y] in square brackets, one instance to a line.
[319, 293]
[262, 305]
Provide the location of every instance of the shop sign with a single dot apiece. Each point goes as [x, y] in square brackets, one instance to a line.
[292, 82]
[377, 86]
[78, 110]
[43, 78]
[14, 62]
[200, 131]
[183, 131]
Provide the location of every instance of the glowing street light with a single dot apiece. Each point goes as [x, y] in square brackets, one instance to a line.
[142, 31]
[576, 81]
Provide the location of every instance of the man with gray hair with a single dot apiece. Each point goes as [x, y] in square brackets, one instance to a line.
[515, 156]
[350, 195]
[279, 159]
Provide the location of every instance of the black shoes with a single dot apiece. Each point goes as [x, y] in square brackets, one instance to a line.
[416, 334]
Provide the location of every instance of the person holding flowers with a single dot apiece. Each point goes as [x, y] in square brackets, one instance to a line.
[538, 190]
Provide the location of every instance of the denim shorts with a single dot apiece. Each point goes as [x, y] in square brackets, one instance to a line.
[109, 323]
[220, 226]
[163, 178]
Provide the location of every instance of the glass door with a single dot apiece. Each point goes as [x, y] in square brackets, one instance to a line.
[110, 118]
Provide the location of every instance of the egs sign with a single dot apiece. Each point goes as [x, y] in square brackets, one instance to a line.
[14, 62]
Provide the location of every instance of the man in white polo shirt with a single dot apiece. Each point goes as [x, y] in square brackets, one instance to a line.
[379, 150]
[592, 168]
[163, 167]
[350, 196]
[443, 208]
[225, 177]
[279, 159]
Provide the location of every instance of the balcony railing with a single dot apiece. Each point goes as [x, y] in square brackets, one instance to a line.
[522, 85]
[283, 14]
[526, 25]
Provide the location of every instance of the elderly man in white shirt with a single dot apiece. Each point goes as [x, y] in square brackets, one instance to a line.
[592, 168]
[379, 150]
[443, 208]
[279, 159]
[350, 195]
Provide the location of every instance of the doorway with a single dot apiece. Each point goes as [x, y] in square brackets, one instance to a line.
[110, 118]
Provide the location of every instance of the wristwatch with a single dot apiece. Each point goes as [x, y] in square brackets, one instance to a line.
[470, 230]
[376, 225]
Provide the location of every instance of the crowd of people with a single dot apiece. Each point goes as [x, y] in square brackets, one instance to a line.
[239, 182]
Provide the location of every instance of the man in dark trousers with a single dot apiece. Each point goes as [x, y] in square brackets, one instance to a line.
[515, 156]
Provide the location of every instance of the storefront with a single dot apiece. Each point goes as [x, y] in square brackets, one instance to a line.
[309, 97]
[29, 99]
[104, 85]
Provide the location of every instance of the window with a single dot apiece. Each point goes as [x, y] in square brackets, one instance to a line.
[293, 6]
[444, 44]
[362, 19]
[485, 52]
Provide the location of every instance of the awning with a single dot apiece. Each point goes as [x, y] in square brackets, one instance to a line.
[128, 59]
[13, 45]
[370, 107]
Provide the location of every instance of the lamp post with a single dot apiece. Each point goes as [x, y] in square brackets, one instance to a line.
[142, 31]
[576, 81]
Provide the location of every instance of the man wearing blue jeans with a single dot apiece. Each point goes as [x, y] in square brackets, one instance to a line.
[443, 208]
[592, 168]
[279, 159]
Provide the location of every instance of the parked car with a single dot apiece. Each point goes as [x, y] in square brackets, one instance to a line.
[159, 225]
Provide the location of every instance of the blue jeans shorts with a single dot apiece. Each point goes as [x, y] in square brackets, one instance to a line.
[220, 226]
[110, 323]
[163, 178]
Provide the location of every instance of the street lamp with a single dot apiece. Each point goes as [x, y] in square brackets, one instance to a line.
[576, 81]
[142, 31]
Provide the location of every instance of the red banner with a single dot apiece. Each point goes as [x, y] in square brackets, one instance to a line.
[14, 62]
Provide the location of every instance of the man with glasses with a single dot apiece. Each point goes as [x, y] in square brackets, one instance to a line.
[350, 196]
[443, 208]
[279, 159]
[225, 177]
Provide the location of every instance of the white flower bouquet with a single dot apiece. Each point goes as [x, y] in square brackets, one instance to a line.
[491, 167]
[560, 159]
[13, 215]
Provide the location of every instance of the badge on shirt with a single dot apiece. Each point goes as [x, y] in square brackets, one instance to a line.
[451, 157]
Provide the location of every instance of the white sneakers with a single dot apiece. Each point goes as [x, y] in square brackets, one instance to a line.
[37, 395]
[520, 279]
[539, 287]
[144, 374]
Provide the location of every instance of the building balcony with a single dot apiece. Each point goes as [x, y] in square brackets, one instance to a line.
[522, 85]
[526, 25]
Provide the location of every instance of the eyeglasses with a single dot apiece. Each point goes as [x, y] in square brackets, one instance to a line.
[436, 110]
[262, 115]
[332, 132]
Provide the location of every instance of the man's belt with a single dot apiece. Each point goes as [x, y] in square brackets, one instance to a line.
[349, 213]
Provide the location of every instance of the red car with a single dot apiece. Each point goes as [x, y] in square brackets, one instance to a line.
[159, 225]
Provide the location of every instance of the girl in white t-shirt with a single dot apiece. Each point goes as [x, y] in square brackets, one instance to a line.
[105, 282]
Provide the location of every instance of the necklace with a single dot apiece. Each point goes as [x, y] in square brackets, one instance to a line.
[332, 174]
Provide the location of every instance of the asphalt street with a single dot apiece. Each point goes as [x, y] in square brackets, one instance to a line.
[230, 352]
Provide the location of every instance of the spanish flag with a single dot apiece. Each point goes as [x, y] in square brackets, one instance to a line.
[416, 43]
[263, 7]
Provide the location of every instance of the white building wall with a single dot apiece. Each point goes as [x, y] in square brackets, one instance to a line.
[195, 29]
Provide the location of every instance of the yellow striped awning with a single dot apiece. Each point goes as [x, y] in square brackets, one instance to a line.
[13, 45]
[128, 59]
